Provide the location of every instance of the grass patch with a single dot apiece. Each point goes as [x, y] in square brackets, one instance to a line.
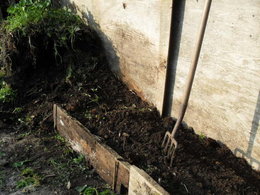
[35, 38]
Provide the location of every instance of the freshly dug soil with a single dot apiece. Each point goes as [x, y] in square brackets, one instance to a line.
[135, 130]
[36, 71]
[83, 84]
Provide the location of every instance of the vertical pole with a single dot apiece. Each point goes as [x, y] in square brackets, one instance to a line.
[193, 66]
[177, 15]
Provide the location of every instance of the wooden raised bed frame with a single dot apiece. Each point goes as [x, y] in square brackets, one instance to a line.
[118, 173]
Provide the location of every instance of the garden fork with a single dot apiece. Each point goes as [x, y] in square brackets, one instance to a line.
[169, 143]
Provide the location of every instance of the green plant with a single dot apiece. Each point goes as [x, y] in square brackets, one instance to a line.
[17, 110]
[7, 94]
[30, 16]
[90, 191]
[27, 172]
[34, 25]
[29, 178]
[59, 138]
[94, 99]
[68, 74]
[67, 150]
[29, 118]
[78, 160]
[107, 192]
[202, 136]
[25, 13]
[85, 190]
[20, 164]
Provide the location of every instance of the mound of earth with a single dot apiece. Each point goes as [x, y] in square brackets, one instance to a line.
[135, 130]
[79, 79]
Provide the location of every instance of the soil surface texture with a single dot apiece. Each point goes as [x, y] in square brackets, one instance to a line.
[96, 97]
[38, 161]
[83, 84]
[135, 130]
[34, 159]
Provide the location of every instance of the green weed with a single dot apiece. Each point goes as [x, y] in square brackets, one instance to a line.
[20, 164]
[37, 19]
[78, 160]
[28, 119]
[29, 178]
[95, 99]
[202, 136]
[60, 138]
[58, 23]
[85, 190]
[17, 110]
[26, 12]
[69, 73]
[67, 151]
[7, 94]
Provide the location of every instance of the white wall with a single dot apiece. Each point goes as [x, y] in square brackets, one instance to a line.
[225, 101]
[226, 94]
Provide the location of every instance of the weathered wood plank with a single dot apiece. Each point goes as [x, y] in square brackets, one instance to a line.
[108, 164]
[142, 184]
[123, 174]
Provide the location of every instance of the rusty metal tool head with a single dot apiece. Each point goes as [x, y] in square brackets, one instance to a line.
[169, 143]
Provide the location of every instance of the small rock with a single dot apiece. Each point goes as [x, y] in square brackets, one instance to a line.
[68, 185]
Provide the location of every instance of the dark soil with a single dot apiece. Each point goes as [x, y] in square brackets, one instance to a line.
[27, 137]
[135, 130]
[83, 85]
[28, 140]
[59, 169]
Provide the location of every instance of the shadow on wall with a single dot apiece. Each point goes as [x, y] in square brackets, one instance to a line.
[111, 54]
[255, 124]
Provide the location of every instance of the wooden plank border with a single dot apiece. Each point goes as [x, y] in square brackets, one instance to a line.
[118, 173]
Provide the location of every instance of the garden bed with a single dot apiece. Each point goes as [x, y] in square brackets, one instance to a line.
[57, 59]
[135, 130]
[109, 165]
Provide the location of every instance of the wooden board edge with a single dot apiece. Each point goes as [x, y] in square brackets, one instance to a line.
[118, 173]
[141, 183]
